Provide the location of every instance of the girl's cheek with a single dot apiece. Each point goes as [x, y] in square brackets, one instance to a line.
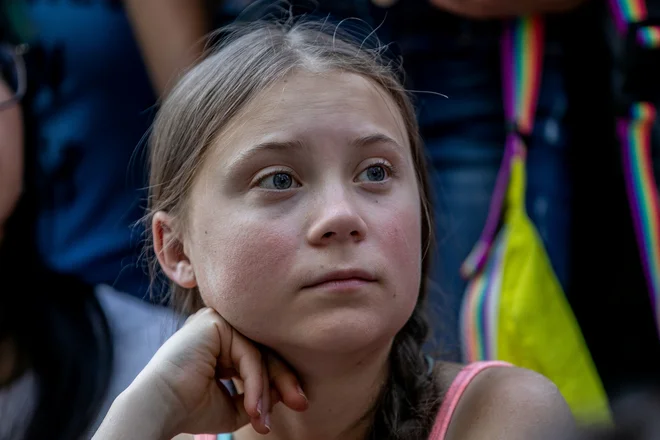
[242, 265]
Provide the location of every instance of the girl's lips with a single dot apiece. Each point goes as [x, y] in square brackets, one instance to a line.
[342, 279]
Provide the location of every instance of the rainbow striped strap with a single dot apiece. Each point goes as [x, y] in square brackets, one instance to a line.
[626, 12]
[522, 58]
[634, 130]
[635, 136]
[480, 314]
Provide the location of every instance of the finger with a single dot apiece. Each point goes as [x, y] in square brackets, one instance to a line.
[246, 360]
[265, 398]
[242, 418]
[210, 421]
[239, 354]
[225, 373]
[261, 424]
[286, 383]
[275, 397]
[191, 317]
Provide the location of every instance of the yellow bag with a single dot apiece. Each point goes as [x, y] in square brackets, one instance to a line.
[530, 323]
[514, 308]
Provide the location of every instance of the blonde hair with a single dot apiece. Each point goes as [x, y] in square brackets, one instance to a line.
[249, 59]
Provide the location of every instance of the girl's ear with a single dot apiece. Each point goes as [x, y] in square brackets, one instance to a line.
[170, 251]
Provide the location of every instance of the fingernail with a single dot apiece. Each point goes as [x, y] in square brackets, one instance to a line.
[267, 421]
[259, 406]
[300, 391]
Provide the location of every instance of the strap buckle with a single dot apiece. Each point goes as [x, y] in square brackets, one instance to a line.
[640, 65]
[512, 127]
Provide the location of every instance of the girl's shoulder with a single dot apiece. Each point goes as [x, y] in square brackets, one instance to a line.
[485, 400]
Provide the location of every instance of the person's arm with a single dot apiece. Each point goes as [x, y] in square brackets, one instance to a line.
[512, 404]
[11, 156]
[170, 34]
[178, 391]
[490, 9]
[138, 414]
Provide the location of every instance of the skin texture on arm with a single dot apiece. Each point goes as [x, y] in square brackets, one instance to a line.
[511, 404]
[492, 9]
[170, 34]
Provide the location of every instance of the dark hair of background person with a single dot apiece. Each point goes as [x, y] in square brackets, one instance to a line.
[55, 323]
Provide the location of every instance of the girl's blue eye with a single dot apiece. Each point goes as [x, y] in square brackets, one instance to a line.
[279, 181]
[282, 181]
[375, 173]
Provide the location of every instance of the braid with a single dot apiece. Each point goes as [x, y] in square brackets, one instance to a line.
[410, 398]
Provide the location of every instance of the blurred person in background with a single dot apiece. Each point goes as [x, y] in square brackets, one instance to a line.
[637, 419]
[90, 101]
[89, 104]
[55, 344]
[75, 330]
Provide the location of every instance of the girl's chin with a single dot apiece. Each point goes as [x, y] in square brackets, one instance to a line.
[338, 337]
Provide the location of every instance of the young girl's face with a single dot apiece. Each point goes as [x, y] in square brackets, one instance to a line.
[303, 228]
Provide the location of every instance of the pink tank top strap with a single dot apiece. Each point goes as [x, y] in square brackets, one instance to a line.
[454, 393]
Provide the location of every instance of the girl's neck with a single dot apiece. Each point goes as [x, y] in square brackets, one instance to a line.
[341, 394]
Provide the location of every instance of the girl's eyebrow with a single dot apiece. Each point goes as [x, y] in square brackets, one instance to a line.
[297, 146]
[376, 138]
[255, 150]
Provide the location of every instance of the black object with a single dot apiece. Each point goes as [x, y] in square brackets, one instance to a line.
[607, 290]
[640, 66]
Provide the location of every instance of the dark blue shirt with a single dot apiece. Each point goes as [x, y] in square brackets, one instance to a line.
[91, 104]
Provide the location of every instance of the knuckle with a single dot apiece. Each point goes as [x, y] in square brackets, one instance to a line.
[256, 354]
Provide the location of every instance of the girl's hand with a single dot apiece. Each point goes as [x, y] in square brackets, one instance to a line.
[180, 387]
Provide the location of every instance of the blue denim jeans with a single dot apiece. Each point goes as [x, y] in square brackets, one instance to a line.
[464, 136]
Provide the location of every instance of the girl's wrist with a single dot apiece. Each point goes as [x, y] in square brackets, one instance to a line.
[139, 413]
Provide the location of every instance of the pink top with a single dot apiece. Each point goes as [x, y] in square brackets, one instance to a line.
[454, 394]
[449, 404]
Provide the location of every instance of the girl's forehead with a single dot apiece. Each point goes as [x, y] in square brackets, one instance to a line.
[305, 105]
[302, 90]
